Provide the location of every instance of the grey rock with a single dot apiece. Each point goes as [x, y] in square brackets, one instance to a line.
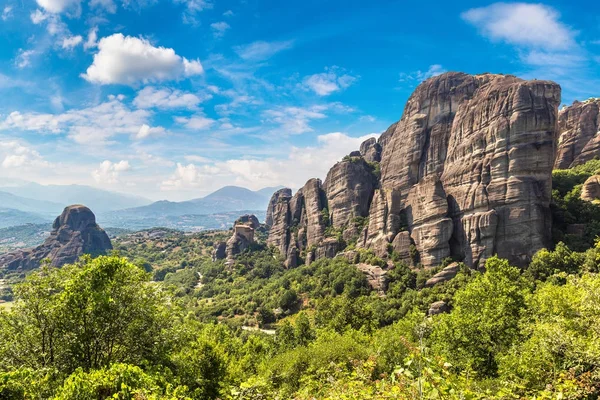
[579, 130]
[444, 275]
[74, 233]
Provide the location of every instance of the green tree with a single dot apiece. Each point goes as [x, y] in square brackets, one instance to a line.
[87, 315]
[485, 320]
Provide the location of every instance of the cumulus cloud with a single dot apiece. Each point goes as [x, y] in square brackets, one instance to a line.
[522, 24]
[147, 131]
[165, 98]
[332, 80]
[301, 164]
[58, 6]
[15, 155]
[109, 172]
[219, 28]
[69, 43]
[90, 125]
[196, 122]
[261, 50]
[130, 60]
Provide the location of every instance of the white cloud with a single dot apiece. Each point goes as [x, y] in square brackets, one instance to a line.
[6, 13]
[58, 6]
[419, 76]
[91, 125]
[228, 13]
[15, 155]
[38, 16]
[196, 159]
[301, 164]
[109, 172]
[69, 43]
[332, 80]
[522, 24]
[260, 50]
[219, 28]
[147, 131]
[129, 60]
[24, 58]
[107, 5]
[166, 98]
[295, 120]
[92, 39]
[197, 122]
[192, 8]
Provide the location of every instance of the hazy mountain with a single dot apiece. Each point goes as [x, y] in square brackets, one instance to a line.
[226, 199]
[12, 217]
[96, 199]
[28, 205]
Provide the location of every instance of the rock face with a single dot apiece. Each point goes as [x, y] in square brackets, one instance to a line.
[591, 189]
[240, 240]
[579, 130]
[465, 173]
[349, 187]
[444, 275]
[285, 192]
[74, 233]
[469, 165]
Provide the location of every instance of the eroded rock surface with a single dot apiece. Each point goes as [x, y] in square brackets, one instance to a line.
[465, 173]
[591, 189]
[74, 233]
[242, 237]
[281, 193]
[444, 275]
[579, 130]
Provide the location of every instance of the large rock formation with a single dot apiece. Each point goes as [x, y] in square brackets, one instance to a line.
[74, 233]
[465, 173]
[241, 238]
[469, 164]
[579, 130]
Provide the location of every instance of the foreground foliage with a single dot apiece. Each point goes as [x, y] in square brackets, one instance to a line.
[101, 329]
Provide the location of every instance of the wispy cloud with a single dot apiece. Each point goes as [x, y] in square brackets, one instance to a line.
[219, 28]
[419, 76]
[261, 50]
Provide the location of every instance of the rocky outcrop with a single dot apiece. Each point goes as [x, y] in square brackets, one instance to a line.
[579, 130]
[591, 189]
[465, 173]
[444, 275]
[370, 150]
[439, 307]
[281, 193]
[376, 276]
[469, 164]
[241, 239]
[74, 233]
[219, 251]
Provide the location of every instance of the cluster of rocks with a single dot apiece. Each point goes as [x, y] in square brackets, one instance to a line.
[74, 232]
[240, 240]
[465, 173]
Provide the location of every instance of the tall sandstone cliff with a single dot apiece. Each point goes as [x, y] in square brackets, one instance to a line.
[74, 233]
[465, 173]
[579, 130]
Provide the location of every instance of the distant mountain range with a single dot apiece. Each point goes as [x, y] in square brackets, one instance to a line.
[228, 198]
[19, 205]
[57, 197]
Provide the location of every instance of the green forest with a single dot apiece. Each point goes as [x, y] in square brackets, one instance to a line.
[158, 319]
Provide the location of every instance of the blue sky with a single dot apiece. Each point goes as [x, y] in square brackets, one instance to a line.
[176, 98]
